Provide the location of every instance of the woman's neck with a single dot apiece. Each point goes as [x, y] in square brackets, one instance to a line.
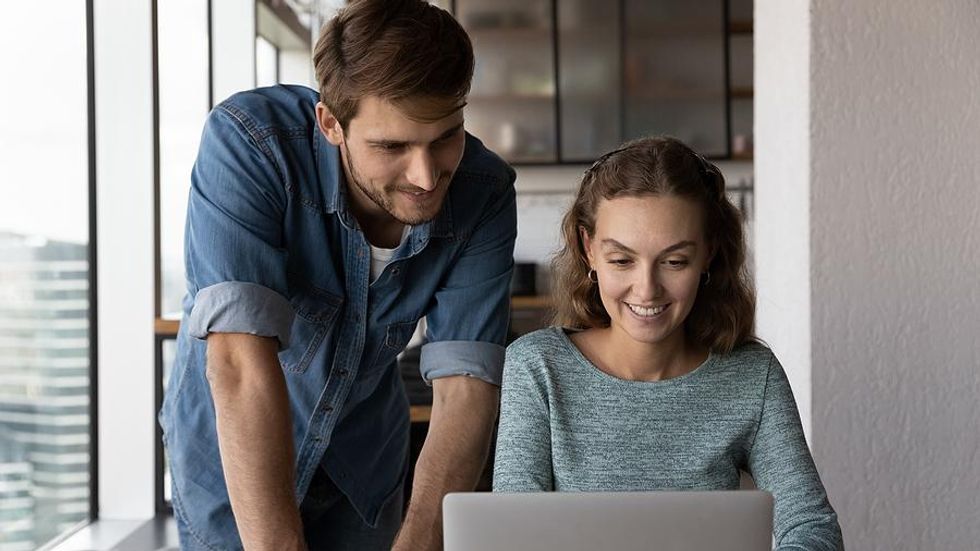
[618, 354]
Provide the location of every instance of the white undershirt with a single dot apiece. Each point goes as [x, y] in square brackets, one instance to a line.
[380, 257]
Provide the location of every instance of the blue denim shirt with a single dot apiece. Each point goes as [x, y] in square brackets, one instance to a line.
[272, 249]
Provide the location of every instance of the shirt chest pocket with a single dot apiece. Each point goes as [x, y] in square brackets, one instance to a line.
[396, 337]
[316, 315]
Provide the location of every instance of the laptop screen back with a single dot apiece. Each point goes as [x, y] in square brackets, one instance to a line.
[627, 521]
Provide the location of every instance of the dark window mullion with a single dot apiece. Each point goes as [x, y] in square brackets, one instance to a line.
[93, 318]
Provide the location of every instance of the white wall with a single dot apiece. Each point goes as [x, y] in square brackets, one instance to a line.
[126, 267]
[891, 171]
[782, 202]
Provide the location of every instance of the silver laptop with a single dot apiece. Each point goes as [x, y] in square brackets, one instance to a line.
[626, 521]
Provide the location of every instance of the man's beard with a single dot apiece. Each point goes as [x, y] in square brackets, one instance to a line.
[381, 197]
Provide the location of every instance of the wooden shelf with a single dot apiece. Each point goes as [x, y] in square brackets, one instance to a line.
[166, 328]
[742, 92]
[419, 414]
[510, 98]
[508, 35]
[530, 302]
[740, 27]
[169, 327]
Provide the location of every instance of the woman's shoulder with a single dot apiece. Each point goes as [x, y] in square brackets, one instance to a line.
[750, 359]
[547, 340]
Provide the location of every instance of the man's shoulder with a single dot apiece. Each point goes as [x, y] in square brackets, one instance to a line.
[279, 109]
[483, 185]
[480, 163]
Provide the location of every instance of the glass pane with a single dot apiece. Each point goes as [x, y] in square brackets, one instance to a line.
[740, 52]
[284, 43]
[266, 62]
[444, 4]
[45, 452]
[168, 354]
[740, 11]
[589, 73]
[512, 100]
[182, 32]
[674, 72]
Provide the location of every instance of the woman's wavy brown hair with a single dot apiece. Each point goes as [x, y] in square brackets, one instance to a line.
[397, 50]
[723, 315]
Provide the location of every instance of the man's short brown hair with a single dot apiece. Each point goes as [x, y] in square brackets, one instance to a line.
[396, 50]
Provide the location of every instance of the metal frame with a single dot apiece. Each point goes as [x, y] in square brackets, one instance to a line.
[93, 297]
[621, 4]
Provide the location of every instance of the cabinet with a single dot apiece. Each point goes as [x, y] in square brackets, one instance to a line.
[563, 81]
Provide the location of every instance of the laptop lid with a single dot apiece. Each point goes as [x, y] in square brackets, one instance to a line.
[626, 521]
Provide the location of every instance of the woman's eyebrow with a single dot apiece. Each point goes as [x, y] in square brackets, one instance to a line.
[676, 246]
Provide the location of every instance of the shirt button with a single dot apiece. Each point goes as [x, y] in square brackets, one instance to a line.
[394, 271]
[342, 373]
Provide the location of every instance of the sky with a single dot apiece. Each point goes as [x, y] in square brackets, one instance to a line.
[43, 120]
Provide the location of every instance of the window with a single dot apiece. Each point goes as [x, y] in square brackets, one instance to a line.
[45, 276]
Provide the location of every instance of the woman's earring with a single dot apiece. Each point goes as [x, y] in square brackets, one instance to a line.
[593, 277]
[705, 278]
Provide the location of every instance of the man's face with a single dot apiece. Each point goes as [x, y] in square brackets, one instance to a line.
[396, 166]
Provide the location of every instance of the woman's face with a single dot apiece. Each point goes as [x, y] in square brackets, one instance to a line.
[648, 253]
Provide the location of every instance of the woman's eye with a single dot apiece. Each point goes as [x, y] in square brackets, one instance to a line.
[620, 261]
[676, 263]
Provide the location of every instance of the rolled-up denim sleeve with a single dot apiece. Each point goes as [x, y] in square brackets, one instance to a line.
[467, 325]
[234, 252]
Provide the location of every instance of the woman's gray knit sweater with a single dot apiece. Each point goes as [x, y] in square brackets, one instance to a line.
[567, 426]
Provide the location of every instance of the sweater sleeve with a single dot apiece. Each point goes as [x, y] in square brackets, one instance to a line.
[780, 462]
[522, 462]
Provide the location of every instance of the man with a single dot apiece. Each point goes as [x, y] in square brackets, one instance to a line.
[318, 234]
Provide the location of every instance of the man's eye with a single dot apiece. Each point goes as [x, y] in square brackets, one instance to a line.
[390, 147]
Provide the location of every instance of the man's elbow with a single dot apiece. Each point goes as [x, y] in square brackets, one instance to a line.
[462, 394]
[235, 360]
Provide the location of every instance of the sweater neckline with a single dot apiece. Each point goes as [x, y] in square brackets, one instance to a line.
[697, 372]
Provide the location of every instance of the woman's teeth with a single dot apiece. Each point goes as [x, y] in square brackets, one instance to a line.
[641, 311]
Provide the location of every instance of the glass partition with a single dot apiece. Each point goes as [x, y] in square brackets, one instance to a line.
[589, 72]
[183, 84]
[512, 99]
[45, 310]
[674, 72]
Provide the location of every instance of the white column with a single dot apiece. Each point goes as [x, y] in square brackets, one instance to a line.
[782, 187]
[126, 270]
[891, 176]
[232, 47]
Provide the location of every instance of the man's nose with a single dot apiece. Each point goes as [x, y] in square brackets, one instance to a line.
[422, 170]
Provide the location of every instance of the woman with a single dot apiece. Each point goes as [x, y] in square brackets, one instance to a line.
[651, 377]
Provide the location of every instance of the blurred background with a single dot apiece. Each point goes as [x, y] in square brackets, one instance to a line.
[846, 132]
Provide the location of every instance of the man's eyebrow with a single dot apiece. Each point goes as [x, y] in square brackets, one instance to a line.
[676, 246]
[389, 143]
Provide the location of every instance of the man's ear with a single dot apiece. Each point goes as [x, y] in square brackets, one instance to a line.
[329, 125]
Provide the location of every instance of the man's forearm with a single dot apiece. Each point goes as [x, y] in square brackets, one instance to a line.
[255, 441]
[464, 410]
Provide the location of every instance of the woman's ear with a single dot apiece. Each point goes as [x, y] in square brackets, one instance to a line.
[586, 244]
[329, 125]
[712, 251]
